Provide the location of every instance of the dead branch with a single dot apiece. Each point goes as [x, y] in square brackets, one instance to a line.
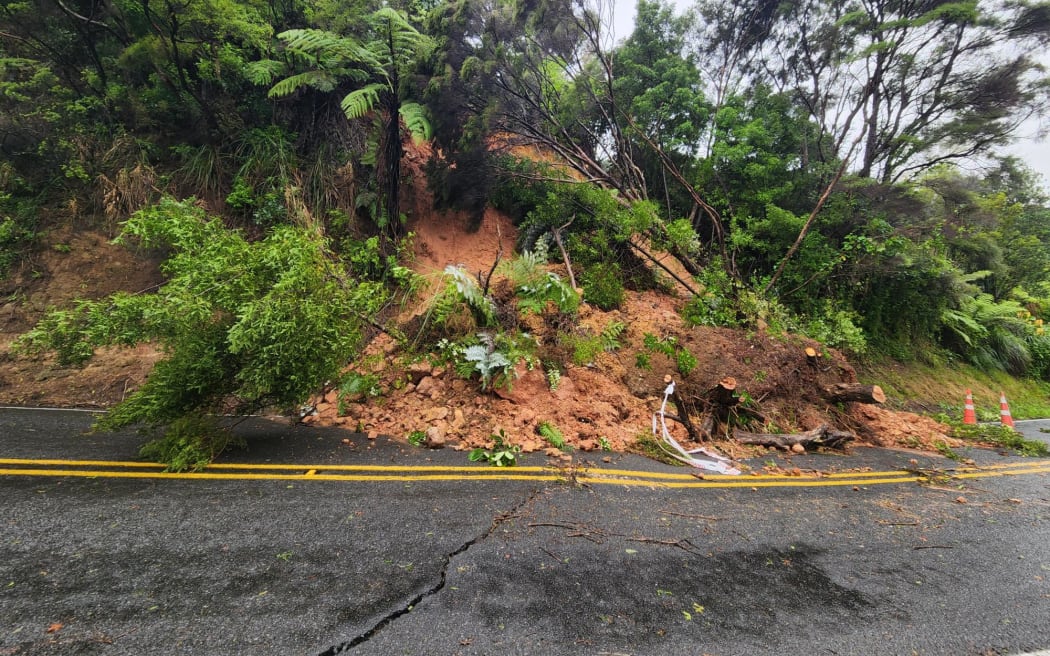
[822, 436]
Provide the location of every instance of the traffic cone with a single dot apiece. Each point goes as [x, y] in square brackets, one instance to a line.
[969, 414]
[1004, 411]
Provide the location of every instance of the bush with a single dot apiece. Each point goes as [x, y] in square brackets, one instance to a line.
[262, 324]
[603, 285]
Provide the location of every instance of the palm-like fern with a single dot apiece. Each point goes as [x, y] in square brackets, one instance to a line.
[376, 68]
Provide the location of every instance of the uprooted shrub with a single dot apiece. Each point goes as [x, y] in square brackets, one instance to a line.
[243, 325]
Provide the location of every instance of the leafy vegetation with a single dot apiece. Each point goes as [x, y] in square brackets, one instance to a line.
[238, 321]
[501, 454]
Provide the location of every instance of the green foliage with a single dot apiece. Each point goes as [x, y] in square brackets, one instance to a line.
[603, 285]
[189, 443]
[668, 346]
[500, 455]
[836, 328]
[586, 347]
[460, 306]
[535, 288]
[264, 323]
[417, 438]
[1002, 436]
[494, 357]
[553, 436]
[356, 386]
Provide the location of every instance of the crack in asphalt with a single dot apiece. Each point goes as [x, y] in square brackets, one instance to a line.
[497, 521]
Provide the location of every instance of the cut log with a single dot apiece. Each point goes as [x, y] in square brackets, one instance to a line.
[855, 392]
[818, 437]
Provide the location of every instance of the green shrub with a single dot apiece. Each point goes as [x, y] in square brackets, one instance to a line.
[260, 323]
[603, 285]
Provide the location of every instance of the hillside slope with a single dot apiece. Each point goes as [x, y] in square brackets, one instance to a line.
[603, 402]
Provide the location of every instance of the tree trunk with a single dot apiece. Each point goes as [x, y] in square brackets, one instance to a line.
[854, 392]
[818, 437]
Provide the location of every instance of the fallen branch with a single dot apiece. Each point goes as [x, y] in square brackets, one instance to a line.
[822, 436]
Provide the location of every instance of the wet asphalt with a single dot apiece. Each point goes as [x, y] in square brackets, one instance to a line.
[469, 565]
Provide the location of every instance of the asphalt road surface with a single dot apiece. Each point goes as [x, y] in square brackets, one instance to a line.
[303, 544]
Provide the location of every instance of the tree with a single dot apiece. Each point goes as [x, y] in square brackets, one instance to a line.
[242, 325]
[919, 81]
[378, 69]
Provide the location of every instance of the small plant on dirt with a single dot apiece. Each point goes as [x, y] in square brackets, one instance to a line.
[647, 444]
[417, 438]
[494, 357]
[553, 436]
[642, 360]
[684, 360]
[500, 455]
[189, 443]
[587, 347]
[603, 285]
[604, 444]
[355, 386]
[553, 375]
[611, 334]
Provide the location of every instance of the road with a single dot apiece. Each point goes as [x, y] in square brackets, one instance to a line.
[304, 544]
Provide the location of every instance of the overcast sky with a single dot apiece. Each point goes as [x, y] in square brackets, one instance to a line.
[1035, 151]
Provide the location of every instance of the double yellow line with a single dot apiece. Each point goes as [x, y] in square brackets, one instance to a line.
[585, 475]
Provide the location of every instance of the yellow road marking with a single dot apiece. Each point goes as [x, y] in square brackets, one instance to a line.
[594, 476]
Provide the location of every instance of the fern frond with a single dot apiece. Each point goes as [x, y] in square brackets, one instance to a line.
[416, 121]
[315, 41]
[319, 80]
[264, 71]
[361, 101]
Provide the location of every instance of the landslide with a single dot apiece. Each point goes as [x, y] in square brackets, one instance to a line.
[604, 403]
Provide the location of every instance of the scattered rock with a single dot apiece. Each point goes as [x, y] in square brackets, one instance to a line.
[433, 414]
[425, 386]
[417, 371]
[435, 438]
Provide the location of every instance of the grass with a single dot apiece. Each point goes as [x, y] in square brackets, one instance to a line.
[929, 389]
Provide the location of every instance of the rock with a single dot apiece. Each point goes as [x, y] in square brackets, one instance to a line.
[798, 448]
[417, 371]
[433, 414]
[435, 438]
[526, 386]
[426, 386]
[459, 420]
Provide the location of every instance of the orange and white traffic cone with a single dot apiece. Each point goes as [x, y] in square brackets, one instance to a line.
[1004, 411]
[969, 414]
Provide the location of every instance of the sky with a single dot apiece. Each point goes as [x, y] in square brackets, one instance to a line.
[1030, 147]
